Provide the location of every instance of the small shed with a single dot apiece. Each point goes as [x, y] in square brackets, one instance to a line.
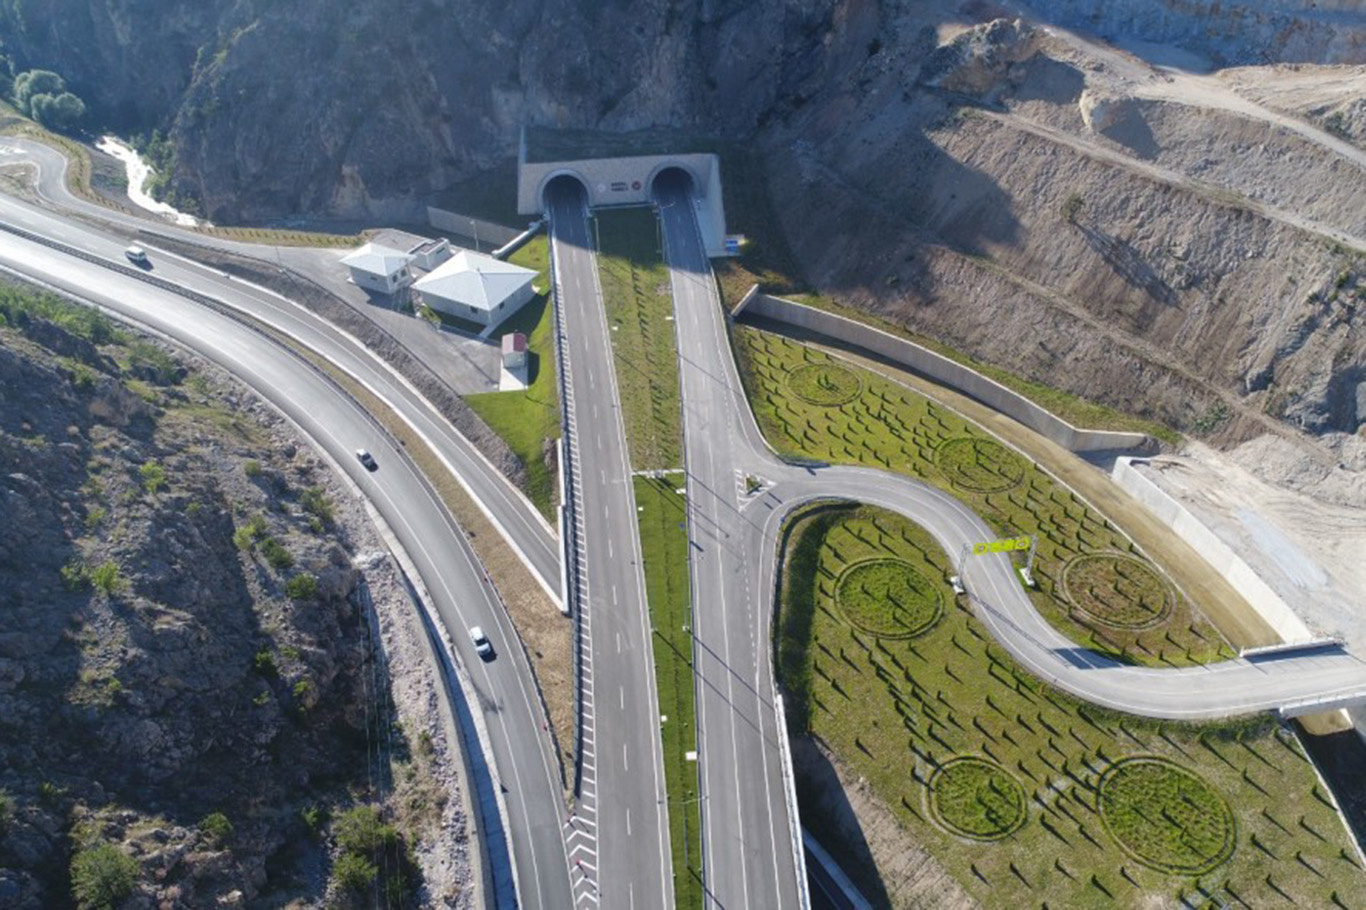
[477, 288]
[426, 252]
[379, 268]
[514, 351]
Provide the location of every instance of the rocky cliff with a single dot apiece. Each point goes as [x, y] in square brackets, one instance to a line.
[1149, 241]
[184, 662]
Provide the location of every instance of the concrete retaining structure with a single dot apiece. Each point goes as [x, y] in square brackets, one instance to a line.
[940, 369]
[1268, 604]
[488, 234]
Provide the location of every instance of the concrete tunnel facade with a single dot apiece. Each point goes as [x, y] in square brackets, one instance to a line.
[629, 181]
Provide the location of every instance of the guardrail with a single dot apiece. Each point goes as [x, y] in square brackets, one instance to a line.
[571, 520]
[1291, 647]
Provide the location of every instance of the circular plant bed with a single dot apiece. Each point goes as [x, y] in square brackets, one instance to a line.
[979, 465]
[1165, 816]
[977, 799]
[888, 598]
[1117, 590]
[824, 384]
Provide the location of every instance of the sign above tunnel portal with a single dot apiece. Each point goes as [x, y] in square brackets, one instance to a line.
[631, 180]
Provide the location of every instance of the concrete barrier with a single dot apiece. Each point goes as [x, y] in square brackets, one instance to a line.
[940, 369]
[1268, 604]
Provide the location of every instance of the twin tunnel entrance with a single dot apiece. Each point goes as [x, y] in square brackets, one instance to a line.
[666, 185]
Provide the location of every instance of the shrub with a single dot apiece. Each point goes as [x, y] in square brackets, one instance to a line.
[107, 578]
[6, 808]
[314, 817]
[74, 576]
[264, 664]
[275, 553]
[353, 872]
[101, 877]
[360, 830]
[30, 84]
[216, 828]
[302, 587]
[302, 688]
[62, 112]
[252, 468]
[316, 503]
[249, 533]
[153, 476]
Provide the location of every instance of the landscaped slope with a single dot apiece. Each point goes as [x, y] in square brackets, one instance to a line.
[1027, 797]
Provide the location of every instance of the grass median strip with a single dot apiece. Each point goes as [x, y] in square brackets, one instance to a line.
[664, 546]
[635, 289]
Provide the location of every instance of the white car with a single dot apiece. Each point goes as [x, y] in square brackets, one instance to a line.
[481, 643]
[137, 255]
[957, 585]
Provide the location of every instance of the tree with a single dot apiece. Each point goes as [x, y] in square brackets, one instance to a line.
[59, 112]
[36, 82]
[102, 876]
[354, 872]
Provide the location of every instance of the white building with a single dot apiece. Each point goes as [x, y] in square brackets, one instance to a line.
[477, 288]
[379, 268]
[426, 252]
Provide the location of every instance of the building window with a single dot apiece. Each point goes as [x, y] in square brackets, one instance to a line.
[474, 309]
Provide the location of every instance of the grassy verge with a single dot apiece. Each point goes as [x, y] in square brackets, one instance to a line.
[664, 547]
[529, 420]
[635, 287]
[1028, 797]
[1094, 585]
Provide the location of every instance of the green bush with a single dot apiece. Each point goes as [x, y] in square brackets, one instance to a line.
[252, 468]
[302, 587]
[264, 664]
[314, 817]
[153, 476]
[360, 830]
[316, 503]
[107, 578]
[75, 576]
[275, 553]
[353, 872]
[101, 877]
[216, 828]
[246, 535]
[6, 808]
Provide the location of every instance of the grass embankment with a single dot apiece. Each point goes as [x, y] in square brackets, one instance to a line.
[769, 263]
[1094, 585]
[664, 545]
[529, 420]
[635, 289]
[1028, 797]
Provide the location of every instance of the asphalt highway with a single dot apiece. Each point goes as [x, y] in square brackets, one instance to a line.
[623, 785]
[521, 524]
[521, 753]
[745, 824]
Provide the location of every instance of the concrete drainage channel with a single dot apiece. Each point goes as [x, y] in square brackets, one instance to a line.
[581, 828]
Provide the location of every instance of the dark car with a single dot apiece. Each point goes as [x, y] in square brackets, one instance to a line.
[365, 458]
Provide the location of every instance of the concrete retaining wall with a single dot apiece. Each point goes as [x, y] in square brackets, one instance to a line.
[1218, 554]
[942, 370]
[489, 234]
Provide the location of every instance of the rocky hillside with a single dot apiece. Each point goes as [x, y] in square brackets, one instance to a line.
[1175, 244]
[186, 681]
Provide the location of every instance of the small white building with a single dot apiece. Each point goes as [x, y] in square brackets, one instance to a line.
[379, 268]
[477, 288]
[514, 351]
[426, 252]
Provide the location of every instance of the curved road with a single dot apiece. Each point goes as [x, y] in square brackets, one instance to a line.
[523, 757]
[748, 848]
